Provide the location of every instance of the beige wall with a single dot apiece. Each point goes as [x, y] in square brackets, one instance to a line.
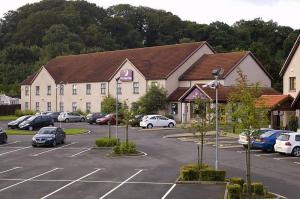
[252, 70]
[127, 87]
[25, 98]
[172, 82]
[293, 70]
[43, 80]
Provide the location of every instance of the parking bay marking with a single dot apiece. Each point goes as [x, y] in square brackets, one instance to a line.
[10, 144]
[14, 150]
[13, 185]
[57, 190]
[14, 168]
[80, 152]
[285, 158]
[125, 181]
[37, 154]
[265, 154]
[168, 192]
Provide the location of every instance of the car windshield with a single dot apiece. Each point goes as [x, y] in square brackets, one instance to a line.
[284, 137]
[21, 118]
[46, 131]
[31, 118]
[268, 133]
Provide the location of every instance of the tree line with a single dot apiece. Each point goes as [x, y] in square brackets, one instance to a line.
[35, 33]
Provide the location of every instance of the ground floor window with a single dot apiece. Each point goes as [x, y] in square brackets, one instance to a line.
[88, 107]
[61, 106]
[48, 106]
[26, 105]
[37, 106]
[74, 106]
[174, 108]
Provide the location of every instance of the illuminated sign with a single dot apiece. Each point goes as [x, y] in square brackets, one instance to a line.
[126, 75]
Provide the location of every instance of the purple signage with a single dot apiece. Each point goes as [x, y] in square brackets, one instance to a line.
[195, 94]
[126, 75]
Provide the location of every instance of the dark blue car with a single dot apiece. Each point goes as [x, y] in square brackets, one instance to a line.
[50, 136]
[267, 140]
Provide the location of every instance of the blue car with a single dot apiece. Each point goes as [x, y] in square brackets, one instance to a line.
[267, 140]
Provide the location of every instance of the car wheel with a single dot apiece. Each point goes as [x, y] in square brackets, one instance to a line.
[63, 141]
[82, 120]
[30, 128]
[67, 120]
[54, 143]
[33, 145]
[5, 140]
[296, 151]
[150, 126]
[170, 125]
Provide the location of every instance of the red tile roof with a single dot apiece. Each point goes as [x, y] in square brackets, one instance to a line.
[271, 101]
[153, 62]
[201, 70]
[289, 58]
[177, 93]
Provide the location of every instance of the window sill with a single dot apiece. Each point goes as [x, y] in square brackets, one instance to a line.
[292, 90]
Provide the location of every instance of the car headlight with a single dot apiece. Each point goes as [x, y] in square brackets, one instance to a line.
[33, 139]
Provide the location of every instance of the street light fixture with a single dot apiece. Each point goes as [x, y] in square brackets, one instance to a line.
[117, 103]
[215, 85]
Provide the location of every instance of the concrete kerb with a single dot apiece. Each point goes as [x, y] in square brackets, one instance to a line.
[139, 154]
[178, 181]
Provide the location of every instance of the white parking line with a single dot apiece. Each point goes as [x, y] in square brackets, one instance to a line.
[14, 168]
[13, 185]
[57, 190]
[265, 154]
[244, 151]
[112, 190]
[9, 144]
[229, 146]
[14, 150]
[296, 162]
[80, 152]
[37, 154]
[285, 158]
[168, 192]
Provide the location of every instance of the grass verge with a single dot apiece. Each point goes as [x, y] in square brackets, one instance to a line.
[7, 117]
[75, 131]
[25, 132]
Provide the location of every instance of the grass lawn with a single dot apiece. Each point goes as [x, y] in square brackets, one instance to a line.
[25, 132]
[7, 117]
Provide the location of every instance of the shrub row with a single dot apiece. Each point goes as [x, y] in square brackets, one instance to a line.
[20, 113]
[125, 148]
[237, 189]
[106, 142]
[192, 172]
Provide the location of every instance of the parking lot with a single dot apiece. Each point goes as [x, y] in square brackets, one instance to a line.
[79, 170]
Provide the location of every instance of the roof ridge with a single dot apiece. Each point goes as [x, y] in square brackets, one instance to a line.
[131, 49]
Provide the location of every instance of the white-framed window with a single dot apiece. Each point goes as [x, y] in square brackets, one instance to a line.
[119, 91]
[88, 89]
[136, 88]
[37, 106]
[61, 106]
[103, 88]
[74, 106]
[74, 89]
[26, 105]
[48, 90]
[26, 90]
[61, 89]
[48, 106]
[88, 106]
[292, 83]
[37, 90]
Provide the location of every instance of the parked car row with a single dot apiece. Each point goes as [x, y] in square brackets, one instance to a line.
[31, 122]
[281, 141]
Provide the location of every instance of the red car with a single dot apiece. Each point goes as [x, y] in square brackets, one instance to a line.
[108, 118]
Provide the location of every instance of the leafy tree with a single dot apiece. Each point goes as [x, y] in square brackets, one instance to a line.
[247, 114]
[108, 104]
[127, 115]
[153, 101]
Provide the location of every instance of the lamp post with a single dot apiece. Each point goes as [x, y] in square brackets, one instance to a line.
[216, 73]
[117, 93]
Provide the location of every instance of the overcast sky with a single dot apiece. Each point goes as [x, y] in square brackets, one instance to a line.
[284, 12]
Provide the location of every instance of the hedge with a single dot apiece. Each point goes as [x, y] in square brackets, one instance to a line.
[239, 181]
[125, 148]
[212, 175]
[234, 191]
[191, 172]
[106, 142]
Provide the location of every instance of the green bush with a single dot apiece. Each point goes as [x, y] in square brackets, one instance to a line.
[125, 148]
[293, 124]
[239, 181]
[245, 188]
[258, 188]
[20, 113]
[189, 172]
[212, 175]
[234, 191]
[106, 142]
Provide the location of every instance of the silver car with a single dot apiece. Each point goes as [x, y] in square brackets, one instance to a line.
[70, 117]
